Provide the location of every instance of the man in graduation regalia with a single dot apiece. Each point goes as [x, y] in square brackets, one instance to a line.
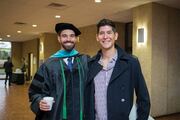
[62, 76]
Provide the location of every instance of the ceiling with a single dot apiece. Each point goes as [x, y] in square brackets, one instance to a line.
[80, 12]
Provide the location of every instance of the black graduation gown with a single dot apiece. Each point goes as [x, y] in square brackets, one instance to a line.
[48, 82]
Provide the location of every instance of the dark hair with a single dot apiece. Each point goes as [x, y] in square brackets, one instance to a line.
[104, 22]
[8, 58]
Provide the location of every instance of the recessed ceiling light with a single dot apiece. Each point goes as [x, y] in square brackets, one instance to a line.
[34, 25]
[57, 16]
[19, 31]
[0, 38]
[98, 1]
[8, 35]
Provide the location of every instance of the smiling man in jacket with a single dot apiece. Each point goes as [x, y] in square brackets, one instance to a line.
[113, 77]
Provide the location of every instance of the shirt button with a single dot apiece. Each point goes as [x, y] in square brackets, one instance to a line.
[122, 100]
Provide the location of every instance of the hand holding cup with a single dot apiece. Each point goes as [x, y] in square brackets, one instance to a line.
[46, 103]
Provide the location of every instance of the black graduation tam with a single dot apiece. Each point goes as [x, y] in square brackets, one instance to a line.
[63, 26]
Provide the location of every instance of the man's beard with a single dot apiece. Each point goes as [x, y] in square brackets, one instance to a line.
[68, 47]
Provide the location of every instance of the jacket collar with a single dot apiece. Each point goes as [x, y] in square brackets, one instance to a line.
[120, 66]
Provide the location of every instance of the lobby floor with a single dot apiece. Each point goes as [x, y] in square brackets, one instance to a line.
[169, 117]
[14, 104]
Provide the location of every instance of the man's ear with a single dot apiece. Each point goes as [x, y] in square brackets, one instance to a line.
[97, 37]
[116, 35]
[59, 39]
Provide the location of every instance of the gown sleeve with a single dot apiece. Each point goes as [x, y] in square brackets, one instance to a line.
[39, 88]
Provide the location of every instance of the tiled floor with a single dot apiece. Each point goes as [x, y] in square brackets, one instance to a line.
[14, 103]
[169, 117]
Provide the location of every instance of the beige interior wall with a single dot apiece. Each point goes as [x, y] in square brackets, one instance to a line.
[173, 73]
[51, 44]
[143, 50]
[166, 72]
[16, 54]
[87, 41]
[160, 58]
[31, 46]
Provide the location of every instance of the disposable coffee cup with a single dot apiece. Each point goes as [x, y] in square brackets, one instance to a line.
[49, 101]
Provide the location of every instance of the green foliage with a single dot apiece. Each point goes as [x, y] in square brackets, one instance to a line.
[4, 54]
[5, 50]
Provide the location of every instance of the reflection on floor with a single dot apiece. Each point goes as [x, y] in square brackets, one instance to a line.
[169, 117]
[14, 104]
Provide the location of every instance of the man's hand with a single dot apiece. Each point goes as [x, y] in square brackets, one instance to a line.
[44, 106]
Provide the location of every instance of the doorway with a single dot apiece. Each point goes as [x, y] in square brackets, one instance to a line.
[30, 64]
[128, 37]
[5, 52]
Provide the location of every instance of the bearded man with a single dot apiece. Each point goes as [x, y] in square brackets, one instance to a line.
[62, 76]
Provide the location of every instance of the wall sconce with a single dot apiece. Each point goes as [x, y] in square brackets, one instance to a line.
[41, 47]
[140, 35]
